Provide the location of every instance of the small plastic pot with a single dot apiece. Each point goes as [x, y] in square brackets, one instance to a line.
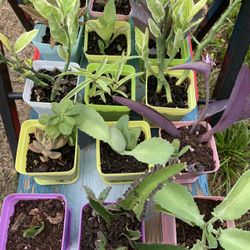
[50, 54]
[110, 58]
[43, 107]
[96, 14]
[43, 178]
[175, 114]
[169, 223]
[112, 112]
[186, 178]
[81, 226]
[9, 208]
[121, 178]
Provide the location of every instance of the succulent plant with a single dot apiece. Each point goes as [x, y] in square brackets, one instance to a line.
[45, 145]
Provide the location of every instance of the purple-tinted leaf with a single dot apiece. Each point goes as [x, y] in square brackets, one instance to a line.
[238, 104]
[151, 114]
[214, 108]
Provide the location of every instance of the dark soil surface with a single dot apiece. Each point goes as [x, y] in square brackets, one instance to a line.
[244, 219]
[82, 3]
[92, 225]
[122, 7]
[112, 162]
[179, 93]
[34, 163]
[118, 45]
[31, 213]
[202, 154]
[153, 53]
[126, 88]
[39, 94]
[188, 235]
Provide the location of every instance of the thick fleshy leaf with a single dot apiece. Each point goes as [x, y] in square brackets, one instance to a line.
[152, 151]
[5, 41]
[24, 40]
[34, 231]
[141, 246]
[134, 134]
[150, 114]
[234, 239]
[122, 126]
[117, 141]
[156, 8]
[176, 200]
[104, 194]
[237, 201]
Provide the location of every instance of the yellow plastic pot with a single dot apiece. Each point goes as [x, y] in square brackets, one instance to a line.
[43, 178]
[111, 112]
[98, 58]
[175, 113]
[120, 178]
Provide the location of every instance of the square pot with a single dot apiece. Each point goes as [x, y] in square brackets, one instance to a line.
[96, 14]
[169, 223]
[111, 112]
[186, 178]
[81, 227]
[111, 58]
[43, 178]
[43, 107]
[50, 54]
[9, 207]
[176, 113]
[121, 178]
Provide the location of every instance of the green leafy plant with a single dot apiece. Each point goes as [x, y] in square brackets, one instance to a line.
[105, 27]
[175, 200]
[34, 231]
[133, 202]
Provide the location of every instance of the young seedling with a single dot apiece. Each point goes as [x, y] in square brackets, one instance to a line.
[105, 27]
[175, 200]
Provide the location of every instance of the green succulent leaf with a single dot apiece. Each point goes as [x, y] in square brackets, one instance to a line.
[234, 239]
[132, 234]
[89, 192]
[117, 141]
[122, 126]
[62, 52]
[34, 231]
[5, 41]
[104, 194]
[153, 27]
[133, 138]
[176, 200]
[157, 10]
[212, 241]
[237, 201]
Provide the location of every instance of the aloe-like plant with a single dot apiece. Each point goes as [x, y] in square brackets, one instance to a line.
[105, 27]
[175, 200]
[133, 201]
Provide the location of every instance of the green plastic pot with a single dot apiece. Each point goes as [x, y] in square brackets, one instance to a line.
[43, 178]
[111, 58]
[175, 113]
[111, 112]
[120, 178]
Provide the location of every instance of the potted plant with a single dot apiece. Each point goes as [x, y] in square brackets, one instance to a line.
[100, 221]
[236, 109]
[106, 36]
[204, 222]
[123, 8]
[44, 82]
[28, 219]
[44, 40]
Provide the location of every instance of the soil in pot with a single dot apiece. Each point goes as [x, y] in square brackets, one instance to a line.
[244, 222]
[188, 235]
[118, 45]
[39, 94]
[30, 213]
[179, 93]
[201, 153]
[122, 6]
[112, 162]
[92, 225]
[65, 163]
[82, 3]
[126, 88]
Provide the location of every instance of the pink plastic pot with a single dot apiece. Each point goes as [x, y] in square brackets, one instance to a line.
[81, 229]
[169, 223]
[97, 13]
[186, 178]
[9, 207]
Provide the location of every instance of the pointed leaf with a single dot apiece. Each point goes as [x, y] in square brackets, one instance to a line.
[89, 192]
[153, 28]
[5, 41]
[104, 194]
[34, 231]
[24, 40]
[134, 136]
[122, 126]
[117, 141]
[156, 8]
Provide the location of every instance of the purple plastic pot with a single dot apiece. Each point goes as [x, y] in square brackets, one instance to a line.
[80, 225]
[169, 222]
[9, 207]
[186, 178]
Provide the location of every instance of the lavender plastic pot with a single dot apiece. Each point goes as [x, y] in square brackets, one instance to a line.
[96, 14]
[9, 207]
[81, 229]
[186, 178]
[169, 223]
